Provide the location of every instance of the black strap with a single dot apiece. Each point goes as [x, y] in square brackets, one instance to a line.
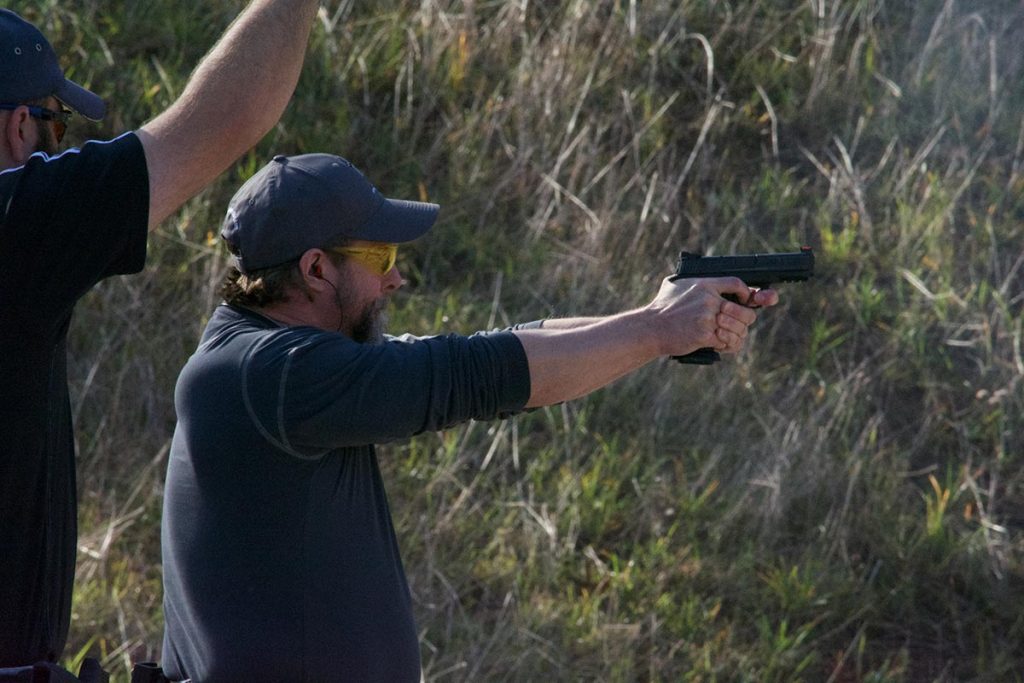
[148, 672]
[92, 672]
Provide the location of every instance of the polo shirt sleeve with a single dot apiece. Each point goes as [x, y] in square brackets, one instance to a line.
[75, 218]
[326, 391]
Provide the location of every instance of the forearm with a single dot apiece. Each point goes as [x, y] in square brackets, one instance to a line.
[250, 74]
[569, 323]
[234, 97]
[572, 357]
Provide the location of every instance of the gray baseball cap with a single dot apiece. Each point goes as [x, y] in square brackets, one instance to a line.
[309, 201]
[29, 70]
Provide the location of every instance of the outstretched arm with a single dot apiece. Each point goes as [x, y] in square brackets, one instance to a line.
[234, 97]
[571, 358]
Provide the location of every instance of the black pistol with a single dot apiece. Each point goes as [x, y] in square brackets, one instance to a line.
[756, 270]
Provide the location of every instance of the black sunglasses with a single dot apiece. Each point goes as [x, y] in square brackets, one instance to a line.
[60, 118]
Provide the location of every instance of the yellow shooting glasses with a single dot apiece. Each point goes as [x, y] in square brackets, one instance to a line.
[379, 258]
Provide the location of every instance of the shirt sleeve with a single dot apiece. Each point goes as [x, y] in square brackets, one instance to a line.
[532, 325]
[76, 218]
[326, 391]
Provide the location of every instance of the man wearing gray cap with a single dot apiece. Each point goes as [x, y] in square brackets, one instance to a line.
[279, 554]
[72, 219]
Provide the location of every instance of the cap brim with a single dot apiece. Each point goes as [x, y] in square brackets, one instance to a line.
[398, 220]
[88, 104]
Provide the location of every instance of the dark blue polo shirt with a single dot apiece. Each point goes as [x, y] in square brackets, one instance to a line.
[66, 222]
[280, 559]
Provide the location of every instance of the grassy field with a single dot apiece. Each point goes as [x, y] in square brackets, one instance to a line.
[843, 502]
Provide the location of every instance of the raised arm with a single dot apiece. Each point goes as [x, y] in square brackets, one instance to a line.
[571, 358]
[234, 97]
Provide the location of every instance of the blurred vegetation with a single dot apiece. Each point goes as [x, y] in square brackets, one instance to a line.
[842, 502]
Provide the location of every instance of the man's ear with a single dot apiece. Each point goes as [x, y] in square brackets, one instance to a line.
[20, 136]
[311, 267]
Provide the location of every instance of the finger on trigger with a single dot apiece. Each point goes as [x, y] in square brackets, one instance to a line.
[765, 297]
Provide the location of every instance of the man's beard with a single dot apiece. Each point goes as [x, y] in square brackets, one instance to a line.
[47, 140]
[369, 324]
[372, 323]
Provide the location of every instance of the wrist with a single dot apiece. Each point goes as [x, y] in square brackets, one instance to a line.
[650, 342]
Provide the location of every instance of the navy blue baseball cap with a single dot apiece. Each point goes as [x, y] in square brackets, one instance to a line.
[29, 70]
[313, 201]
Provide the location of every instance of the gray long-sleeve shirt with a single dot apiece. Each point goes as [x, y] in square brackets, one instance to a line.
[280, 558]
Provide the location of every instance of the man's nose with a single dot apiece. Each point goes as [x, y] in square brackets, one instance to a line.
[393, 280]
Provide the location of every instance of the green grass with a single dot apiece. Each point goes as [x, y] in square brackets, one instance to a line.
[843, 502]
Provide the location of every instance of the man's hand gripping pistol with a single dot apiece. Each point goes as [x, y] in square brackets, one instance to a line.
[756, 270]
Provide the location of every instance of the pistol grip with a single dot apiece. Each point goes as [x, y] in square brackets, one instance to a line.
[705, 356]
